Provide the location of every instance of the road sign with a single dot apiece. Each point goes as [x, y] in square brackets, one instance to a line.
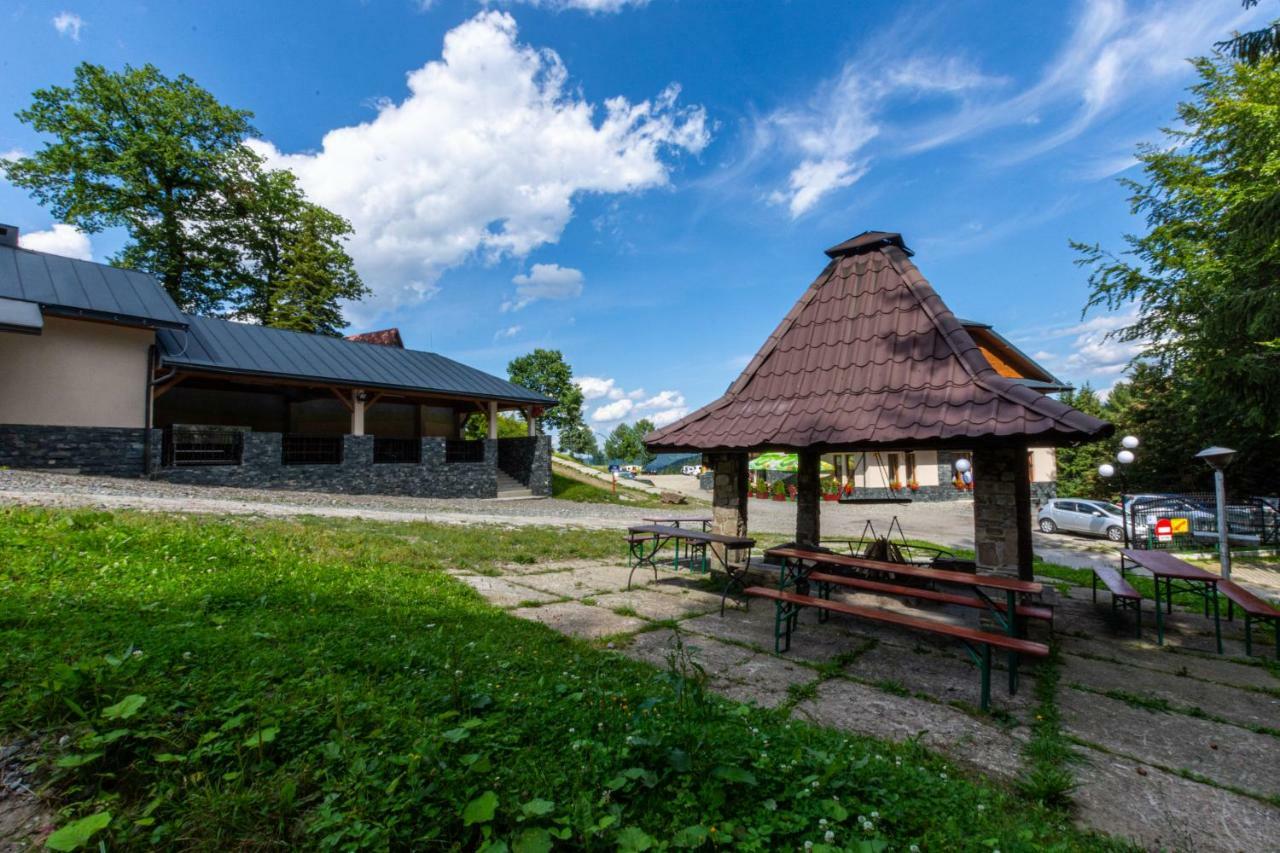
[1179, 526]
[1164, 530]
[613, 469]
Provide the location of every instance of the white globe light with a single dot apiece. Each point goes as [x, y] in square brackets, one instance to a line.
[1129, 442]
[1125, 457]
[967, 477]
[962, 465]
[1105, 470]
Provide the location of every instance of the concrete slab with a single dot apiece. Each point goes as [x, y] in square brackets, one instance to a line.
[712, 655]
[1162, 811]
[764, 680]
[1243, 707]
[1216, 668]
[812, 641]
[557, 566]
[942, 675]
[857, 708]
[580, 620]
[1226, 754]
[577, 583]
[658, 606]
[504, 593]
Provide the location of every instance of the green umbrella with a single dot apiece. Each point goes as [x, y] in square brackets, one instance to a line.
[786, 463]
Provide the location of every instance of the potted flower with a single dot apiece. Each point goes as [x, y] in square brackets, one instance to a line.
[913, 484]
[848, 489]
[779, 491]
[792, 491]
[830, 489]
[895, 485]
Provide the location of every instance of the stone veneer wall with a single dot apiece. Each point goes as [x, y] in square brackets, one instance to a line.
[357, 474]
[529, 461]
[1002, 510]
[109, 451]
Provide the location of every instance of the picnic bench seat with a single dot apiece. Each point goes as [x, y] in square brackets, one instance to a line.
[1123, 595]
[978, 643]
[1026, 611]
[1253, 607]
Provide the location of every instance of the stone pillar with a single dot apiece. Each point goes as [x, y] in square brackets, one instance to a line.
[729, 495]
[493, 420]
[357, 413]
[808, 499]
[1002, 510]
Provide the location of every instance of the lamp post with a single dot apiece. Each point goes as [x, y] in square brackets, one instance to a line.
[1219, 458]
[1106, 470]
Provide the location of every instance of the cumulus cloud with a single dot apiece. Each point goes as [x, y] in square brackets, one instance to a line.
[68, 24]
[593, 6]
[65, 240]
[661, 408]
[483, 158]
[1088, 351]
[508, 332]
[545, 281]
[614, 411]
[594, 387]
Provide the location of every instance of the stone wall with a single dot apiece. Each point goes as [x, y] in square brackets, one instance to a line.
[109, 451]
[528, 460]
[1002, 510]
[261, 467]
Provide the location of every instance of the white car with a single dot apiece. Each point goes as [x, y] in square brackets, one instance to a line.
[691, 470]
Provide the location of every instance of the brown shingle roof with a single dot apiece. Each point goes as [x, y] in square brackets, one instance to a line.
[384, 337]
[871, 356]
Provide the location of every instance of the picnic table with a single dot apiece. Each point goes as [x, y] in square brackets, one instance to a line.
[658, 535]
[799, 565]
[675, 521]
[1167, 570]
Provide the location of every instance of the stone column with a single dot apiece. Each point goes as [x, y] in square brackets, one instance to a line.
[808, 499]
[493, 420]
[729, 495]
[1002, 510]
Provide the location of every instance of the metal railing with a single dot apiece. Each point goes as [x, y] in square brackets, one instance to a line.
[310, 449]
[1188, 521]
[456, 450]
[184, 448]
[397, 450]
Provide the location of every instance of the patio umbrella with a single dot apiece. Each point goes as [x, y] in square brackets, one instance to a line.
[786, 463]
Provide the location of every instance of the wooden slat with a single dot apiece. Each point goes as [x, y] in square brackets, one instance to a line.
[696, 535]
[908, 570]
[1247, 601]
[1028, 611]
[1116, 583]
[1166, 565]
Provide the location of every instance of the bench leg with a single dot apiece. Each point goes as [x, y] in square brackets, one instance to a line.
[1095, 588]
[1248, 635]
[1231, 610]
[1011, 617]
[985, 666]
[783, 624]
[1217, 623]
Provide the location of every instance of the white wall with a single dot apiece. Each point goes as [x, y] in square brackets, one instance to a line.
[1044, 465]
[75, 374]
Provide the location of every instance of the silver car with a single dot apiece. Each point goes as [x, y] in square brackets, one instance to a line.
[1078, 515]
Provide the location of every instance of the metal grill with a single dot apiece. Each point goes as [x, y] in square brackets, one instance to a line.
[397, 450]
[193, 448]
[463, 451]
[311, 450]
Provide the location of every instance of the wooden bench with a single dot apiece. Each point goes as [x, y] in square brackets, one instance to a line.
[825, 581]
[978, 643]
[1123, 595]
[1253, 607]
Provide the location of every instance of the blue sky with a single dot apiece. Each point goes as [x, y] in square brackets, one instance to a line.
[648, 186]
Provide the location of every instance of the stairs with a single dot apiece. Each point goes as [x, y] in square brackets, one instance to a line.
[509, 487]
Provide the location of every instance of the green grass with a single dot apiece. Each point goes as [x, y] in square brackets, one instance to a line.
[1048, 779]
[245, 684]
[568, 489]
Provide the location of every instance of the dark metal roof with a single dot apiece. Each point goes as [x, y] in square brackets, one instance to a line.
[871, 356]
[73, 288]
[222, 346]
[21, 317]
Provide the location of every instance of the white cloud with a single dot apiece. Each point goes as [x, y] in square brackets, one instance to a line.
[668, 416]
[68, 24]
[545, 281]
[483, 159]
[594, 387]
[1090, 350]
[65, 240]
[663, 400]
[508, 332]
[614, 411]
[593, 6]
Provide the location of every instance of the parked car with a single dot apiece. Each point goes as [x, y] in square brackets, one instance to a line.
[1078, 515]
[1144, 510]
[691, 470]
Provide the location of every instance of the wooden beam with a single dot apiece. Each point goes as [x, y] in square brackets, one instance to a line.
[344, 399]
[158, 391]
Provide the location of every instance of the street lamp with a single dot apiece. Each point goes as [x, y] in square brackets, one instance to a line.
[1219, 458]
[1106, 470]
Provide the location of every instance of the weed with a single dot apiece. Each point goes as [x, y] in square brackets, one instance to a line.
[1047, 780]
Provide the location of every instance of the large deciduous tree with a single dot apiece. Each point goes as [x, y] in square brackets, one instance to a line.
[1205, 277]
[626, 442]
[546, 372]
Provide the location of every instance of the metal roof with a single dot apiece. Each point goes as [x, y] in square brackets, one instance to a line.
[871, 356]
[223, 346]
[21, 317]
[73, 288]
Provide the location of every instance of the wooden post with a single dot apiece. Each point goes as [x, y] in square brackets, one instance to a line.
[357, 412]
[493, 420]
[808, 499]
[533, 421]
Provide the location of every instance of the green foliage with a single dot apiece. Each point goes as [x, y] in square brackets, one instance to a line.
[579, 440]
[569, 489]
[546, 372]
[1254, 46]
[1048, 779]
[626, 443]
[164, 159]
[1078, 466]
[1203, 279]
[74, 835]
[406, 713]
[477, 427]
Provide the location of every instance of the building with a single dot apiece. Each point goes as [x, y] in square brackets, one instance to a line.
[103, 374]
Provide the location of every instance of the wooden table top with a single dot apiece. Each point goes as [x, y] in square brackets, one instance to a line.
[671, 519]
[908, 570]
[697, 535]
[1165, 565]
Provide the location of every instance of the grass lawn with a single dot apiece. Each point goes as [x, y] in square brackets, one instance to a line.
[570, 488]
[244, 684]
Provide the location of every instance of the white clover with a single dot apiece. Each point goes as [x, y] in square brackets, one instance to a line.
[829, 836]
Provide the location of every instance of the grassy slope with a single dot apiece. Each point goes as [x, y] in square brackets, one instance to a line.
[576, 488]
[325, 683]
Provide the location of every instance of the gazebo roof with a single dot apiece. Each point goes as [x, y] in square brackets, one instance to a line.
[871, 356]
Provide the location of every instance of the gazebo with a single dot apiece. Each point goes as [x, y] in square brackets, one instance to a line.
[870, 357]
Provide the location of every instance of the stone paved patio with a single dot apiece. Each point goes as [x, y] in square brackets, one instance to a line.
[1178, 747]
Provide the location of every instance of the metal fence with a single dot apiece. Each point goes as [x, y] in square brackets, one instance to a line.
[311, 449]
[463, 451]
[397, 450]
[1188, 521]
[183, 448]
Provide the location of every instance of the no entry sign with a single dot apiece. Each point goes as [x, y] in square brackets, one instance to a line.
[1164, 530]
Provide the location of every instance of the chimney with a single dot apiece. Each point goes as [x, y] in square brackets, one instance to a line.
[8, 235]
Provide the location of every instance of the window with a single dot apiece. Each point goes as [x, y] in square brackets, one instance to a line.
[463, 451]
[393, 450]
[188, 448]
[891, 474]
[911, 466]
[311, 450]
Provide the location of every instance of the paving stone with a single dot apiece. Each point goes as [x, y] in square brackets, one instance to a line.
[1209, 667]
[812, 641]
[577, 583]
[1226, 754]
[581, 620]
[943, 675]
[557, 566]
[1162, 811]
[657, 606]
[504, 593]
[762, 679]
[1244, 707]
[712, 655]
[858, 708]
